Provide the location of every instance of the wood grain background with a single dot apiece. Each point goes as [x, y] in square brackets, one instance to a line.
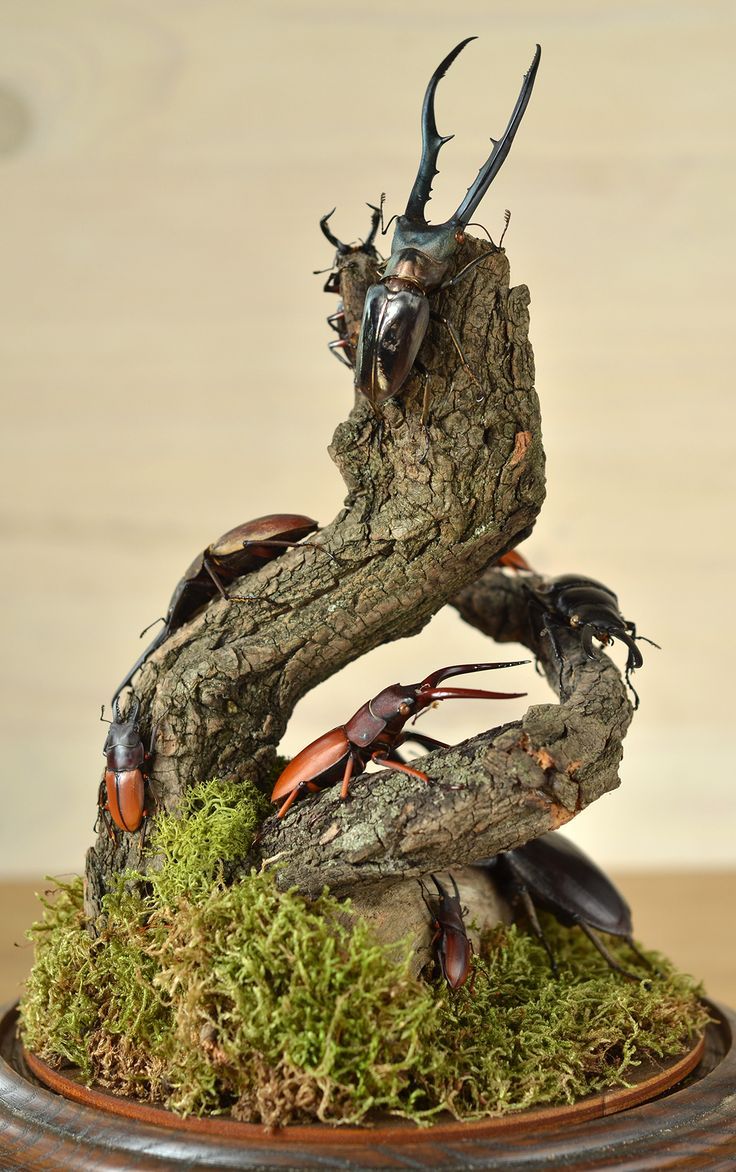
[165, 374]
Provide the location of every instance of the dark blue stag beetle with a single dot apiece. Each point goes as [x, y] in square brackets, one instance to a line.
[591, 609]
[396, 313]
[551, 873]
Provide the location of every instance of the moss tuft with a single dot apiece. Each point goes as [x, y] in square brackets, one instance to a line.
[213, 996]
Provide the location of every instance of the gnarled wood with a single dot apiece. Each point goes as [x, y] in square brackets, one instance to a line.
[491, 793]
[425, 512]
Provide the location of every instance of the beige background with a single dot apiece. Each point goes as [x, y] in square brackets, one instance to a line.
[165, 374]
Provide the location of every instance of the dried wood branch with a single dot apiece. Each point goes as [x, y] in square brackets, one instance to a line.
[426, 511]
[490, 793]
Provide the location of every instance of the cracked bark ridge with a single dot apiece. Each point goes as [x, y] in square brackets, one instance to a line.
[489, 794]
[426, 511]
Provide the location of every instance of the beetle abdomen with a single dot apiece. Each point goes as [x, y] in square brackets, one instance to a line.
[125, 798]
[322, 763]
[393, 328]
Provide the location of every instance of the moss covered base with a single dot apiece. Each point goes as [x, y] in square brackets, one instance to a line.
[213, 997]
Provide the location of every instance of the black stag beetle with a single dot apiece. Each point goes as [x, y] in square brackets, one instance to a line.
[454, 947]
[552, 873]
[354, 270]
[589, 608]
[241, 550]
[397, 312]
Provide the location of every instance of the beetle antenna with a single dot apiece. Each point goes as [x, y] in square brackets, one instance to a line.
[385, 227]
[501, 148]
[432, 143]
[506, 222]
[102, 715]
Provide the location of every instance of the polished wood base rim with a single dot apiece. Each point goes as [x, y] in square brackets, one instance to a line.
[691, 1125]
[649, 1081]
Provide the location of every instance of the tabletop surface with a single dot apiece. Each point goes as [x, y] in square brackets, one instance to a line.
[686, 916]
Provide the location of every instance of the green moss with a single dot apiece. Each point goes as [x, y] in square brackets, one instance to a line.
[215, 996]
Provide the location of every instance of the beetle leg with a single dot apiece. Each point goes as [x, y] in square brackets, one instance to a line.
[340, 344]
[349, 767]
[428, 743]
[381, 758]
[466, 268]
[303, 787]
[536, 927]
[480, 398]
[606, 954]
[236, 597]
[549, 628]
[641, 957]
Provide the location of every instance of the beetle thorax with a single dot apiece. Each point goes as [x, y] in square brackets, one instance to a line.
[421, 267]
[389, 710]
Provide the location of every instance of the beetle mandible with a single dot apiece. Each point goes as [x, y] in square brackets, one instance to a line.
[375, 732]
[122, 792]
[239, 551]
[591, 609]
[555, 874]
[454, 947]
[397, 313]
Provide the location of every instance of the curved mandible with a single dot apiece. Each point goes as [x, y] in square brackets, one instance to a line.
[501, 148]
[432, 142]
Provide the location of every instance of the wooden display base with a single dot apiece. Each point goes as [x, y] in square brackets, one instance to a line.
[682, 1115]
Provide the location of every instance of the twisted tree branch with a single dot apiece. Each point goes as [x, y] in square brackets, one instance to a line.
[425, 513]
[488, 794]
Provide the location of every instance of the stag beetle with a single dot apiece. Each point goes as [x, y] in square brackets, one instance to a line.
[375, 732]
[454, 948]
[237, 552]
[591, 609]
[553, 873]
[354, 265]
[122, 792]
[396, 313]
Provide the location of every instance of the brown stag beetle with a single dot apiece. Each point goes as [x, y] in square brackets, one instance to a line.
[122, 792]
[375, 732]
[358, 262]
[555, 875]
[239, 551]
[591, 609]
[454, 948]
[397, 313]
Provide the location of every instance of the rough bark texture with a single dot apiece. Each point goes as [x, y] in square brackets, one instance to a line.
[489, 794]
[426, 511]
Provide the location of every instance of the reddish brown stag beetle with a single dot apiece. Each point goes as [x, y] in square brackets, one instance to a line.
[554, 874]
[375, 732]
[589, 608]
[354, 271]
[397, 312]
[239, 551]
[122, 793]
[454, 948]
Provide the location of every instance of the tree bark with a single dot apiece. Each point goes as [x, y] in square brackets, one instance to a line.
[427, 509]
[488, 794]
